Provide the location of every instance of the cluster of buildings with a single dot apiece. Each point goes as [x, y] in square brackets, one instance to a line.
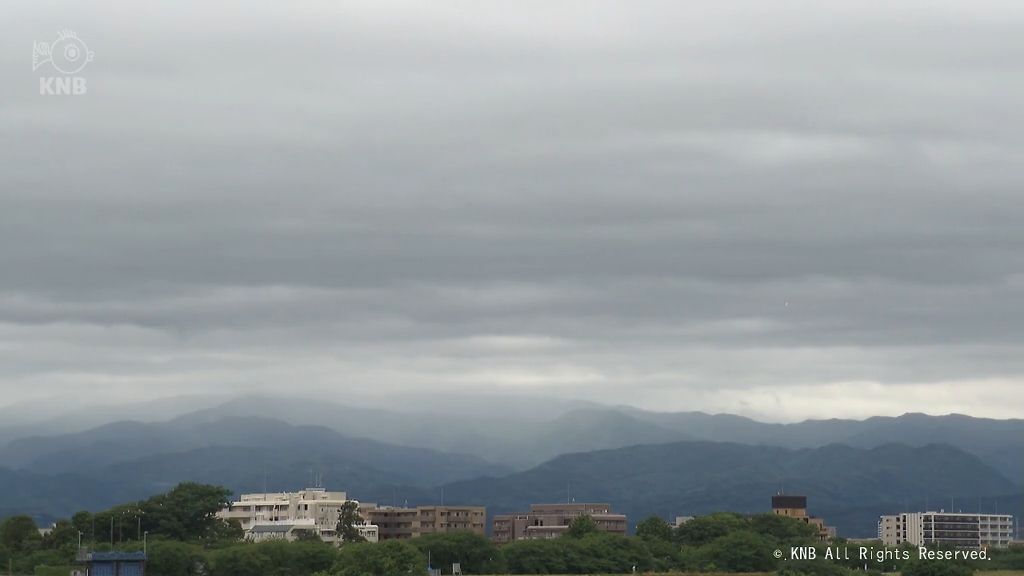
[796, 507]
[545, 521]
[957, 530]
[313, 512]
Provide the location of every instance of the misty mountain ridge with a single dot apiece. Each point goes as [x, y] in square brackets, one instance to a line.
[126, 441]
[512, 439]
[849, 487]
[517, 436]
[642, 462]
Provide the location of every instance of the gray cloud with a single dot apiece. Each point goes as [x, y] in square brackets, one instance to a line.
[740, 207]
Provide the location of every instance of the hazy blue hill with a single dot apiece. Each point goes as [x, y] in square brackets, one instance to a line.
[848, 486]
[94, 447]
[55, 416]
[998, 442]
[243, 454]
[46, 497]
[251, 469]
[515, 436]
[93, 451]
[582, 431]
[466, 433]
[514, 440]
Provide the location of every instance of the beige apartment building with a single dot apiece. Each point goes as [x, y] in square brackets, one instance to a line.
[285, 515]
[958, 530]
[552, 520]
[395, 523]
[796, 507]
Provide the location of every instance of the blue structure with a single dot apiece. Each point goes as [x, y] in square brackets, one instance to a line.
[115, 564]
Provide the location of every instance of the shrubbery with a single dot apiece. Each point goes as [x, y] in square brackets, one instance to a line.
[186, 539]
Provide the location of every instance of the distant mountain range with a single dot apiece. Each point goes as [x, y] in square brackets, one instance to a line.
[641, 462]
[522, 435]
[849, 487]
[128, 460]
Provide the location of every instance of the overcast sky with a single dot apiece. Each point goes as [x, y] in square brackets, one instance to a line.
[779, 209]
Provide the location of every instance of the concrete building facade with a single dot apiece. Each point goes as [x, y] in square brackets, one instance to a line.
[394, 523]
[796, 507]
[552, 520]
[284, 515]
[959, 530]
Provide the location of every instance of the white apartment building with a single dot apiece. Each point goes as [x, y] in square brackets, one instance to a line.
[283, 515]
[959, 529]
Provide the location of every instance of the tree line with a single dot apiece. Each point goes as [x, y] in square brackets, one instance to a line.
[184, 537]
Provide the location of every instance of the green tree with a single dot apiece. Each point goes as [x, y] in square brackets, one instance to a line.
[187, 512]
[388, 558]
[82, 521]
[610, 553]
[19, 534]
[170, 558]
[348, 520]
[740, 551]
[475, 553]
[813, 568]
[1007, 558]
[657, 535]
[580, 526]
[783, 529]
[654, 528]
[537, 557]
[591, 554]
[705, 529]
[63, 537]
[239, 560]
[294, 558]
[936, 568]
[224, 531]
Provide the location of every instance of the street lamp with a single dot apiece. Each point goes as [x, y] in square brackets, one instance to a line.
[145, 537]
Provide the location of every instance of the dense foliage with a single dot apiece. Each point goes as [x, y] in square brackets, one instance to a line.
[186, 539]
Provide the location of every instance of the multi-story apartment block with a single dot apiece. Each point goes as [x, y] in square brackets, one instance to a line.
[398, 523]
[959, 530]
[283, 515]
[796, 507]
[552, 520]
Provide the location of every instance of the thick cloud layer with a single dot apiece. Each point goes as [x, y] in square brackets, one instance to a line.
[785, 210]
